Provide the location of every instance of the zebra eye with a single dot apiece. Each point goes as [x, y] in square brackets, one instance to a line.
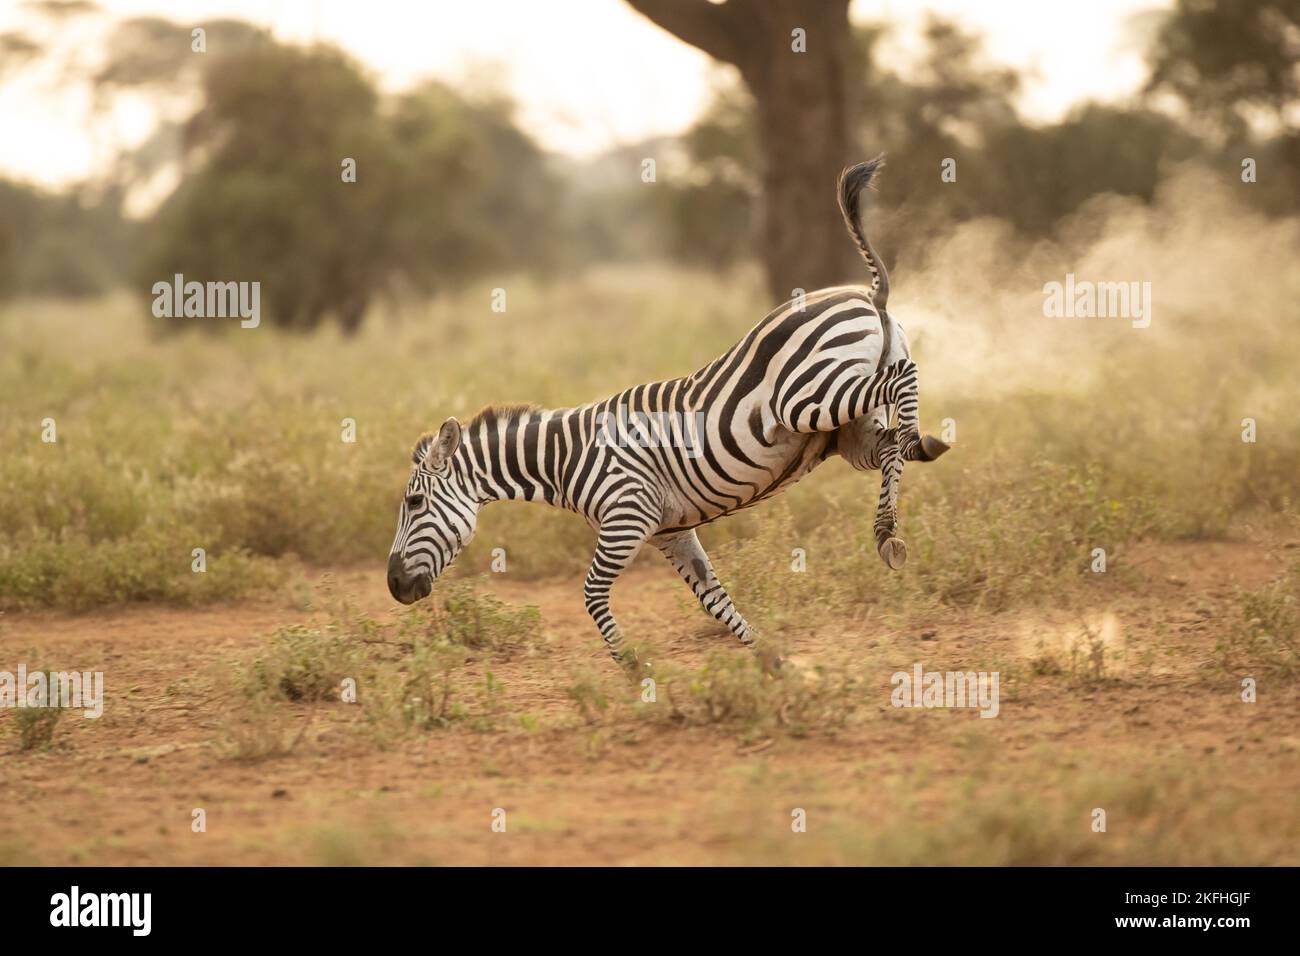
[414, 501]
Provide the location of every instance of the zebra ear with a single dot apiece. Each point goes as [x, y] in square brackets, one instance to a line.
[441, 448]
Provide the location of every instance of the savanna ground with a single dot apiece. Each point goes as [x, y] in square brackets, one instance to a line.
[1121, 689]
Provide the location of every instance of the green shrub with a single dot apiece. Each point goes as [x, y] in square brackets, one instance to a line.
[306, 663]
[1267, 636]
[736, 690]
[460, 615]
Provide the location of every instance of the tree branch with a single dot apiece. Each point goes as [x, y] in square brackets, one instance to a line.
[709, 26]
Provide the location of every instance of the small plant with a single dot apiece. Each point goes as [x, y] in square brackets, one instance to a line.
[462, 616]
[256, 728]
[404, 672]
[492, 704]
[425, 689]
[1083, 660]
[1044, 662]
[735, 689]
[589, 696]
[305, 663]
[770, 576]
[36, 727]
[1088, 656]
[418, 693]
[1268, 633]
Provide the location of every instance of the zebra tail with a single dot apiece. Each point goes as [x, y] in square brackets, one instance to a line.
[852, 181]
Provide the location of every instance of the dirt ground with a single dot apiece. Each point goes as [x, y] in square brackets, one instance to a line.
[892, 786]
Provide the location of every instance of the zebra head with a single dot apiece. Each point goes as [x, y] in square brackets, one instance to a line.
[437, 516]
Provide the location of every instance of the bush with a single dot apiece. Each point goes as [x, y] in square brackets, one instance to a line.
[1267, 636]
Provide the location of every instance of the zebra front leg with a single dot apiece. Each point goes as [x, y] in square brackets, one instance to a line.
[623, 529]
[684, 551]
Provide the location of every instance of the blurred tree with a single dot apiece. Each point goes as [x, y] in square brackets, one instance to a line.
[155, 55]
[475, 193]
[73, 243]
[801, 116]
[153, 58]
[609, 216]
[953, 105]
[708, 212]
[1233, 65]
[948, 108]
[1227, 58]
[445, 188]
[263, 197]
[1033, 176]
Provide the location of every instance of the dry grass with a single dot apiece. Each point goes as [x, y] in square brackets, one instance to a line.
[1069, 435]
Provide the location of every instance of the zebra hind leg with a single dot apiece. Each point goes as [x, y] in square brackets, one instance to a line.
[685, 553]
[913, 446]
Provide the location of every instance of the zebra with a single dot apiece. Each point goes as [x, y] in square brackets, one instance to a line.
[820, 375]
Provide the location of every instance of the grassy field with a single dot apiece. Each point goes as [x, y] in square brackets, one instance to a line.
[1121, 690]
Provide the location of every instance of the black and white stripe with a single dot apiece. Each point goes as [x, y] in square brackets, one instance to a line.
[814, 378]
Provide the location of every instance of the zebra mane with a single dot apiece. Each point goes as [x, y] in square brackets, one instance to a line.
[501, 413]
[487, 415]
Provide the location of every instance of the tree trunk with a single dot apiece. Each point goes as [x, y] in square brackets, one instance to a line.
[802, 104]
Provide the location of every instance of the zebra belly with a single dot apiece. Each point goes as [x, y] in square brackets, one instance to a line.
[790, 457]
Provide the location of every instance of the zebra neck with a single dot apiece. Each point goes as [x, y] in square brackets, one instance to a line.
[505, 458]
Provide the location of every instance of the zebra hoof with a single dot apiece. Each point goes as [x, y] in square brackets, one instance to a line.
[627, 660]
[894, 553]
[932, 448]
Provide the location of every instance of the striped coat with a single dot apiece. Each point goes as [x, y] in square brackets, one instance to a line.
[817, 377]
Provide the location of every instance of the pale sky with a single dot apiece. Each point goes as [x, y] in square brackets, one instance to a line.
[587, 74]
